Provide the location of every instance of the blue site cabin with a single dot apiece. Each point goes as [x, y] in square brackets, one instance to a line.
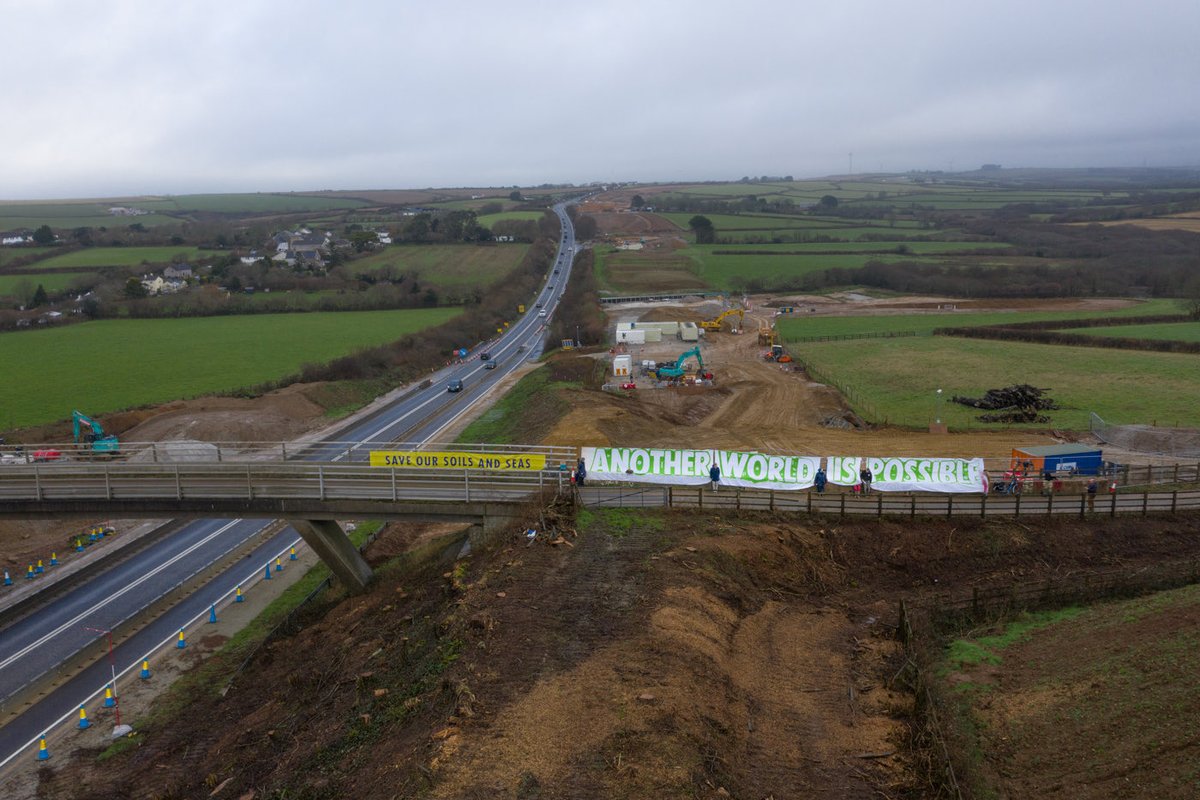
[1060, 458]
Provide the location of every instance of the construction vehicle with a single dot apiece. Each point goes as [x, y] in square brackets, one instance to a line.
[766, 333]
[94, 434]
[777, 354]
[715, 324]
[674, 370]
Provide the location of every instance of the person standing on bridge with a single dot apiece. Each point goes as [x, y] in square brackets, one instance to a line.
[580, 472]
[714, 475]
[866, 477]
[820, 480]
[1092, 487]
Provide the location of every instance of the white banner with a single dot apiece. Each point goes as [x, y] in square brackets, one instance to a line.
[761, 471]
[691, 467]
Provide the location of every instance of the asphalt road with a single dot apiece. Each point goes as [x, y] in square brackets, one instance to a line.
[37, 648]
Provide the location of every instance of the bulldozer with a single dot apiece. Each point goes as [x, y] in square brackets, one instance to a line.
[777, 354]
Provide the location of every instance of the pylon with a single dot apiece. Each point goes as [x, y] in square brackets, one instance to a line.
[145, 673]
[83, 720]
[237, 598]
[278, 565]
[7, 578]
[79, 545]
[182, 643]
[292, 555]
[92, 537]
[54, 559]
[29, 574]
[40, 568]
[212, 614]
[266, 573]
[43, 753]
[109, 700]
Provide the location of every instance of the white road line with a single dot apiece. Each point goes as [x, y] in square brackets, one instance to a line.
[78, 618]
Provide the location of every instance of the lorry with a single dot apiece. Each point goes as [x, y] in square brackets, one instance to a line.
[89, 430]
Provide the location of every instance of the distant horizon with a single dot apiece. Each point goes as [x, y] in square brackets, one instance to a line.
[588, 184]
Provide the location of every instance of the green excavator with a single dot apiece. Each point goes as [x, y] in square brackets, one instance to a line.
[88, 430]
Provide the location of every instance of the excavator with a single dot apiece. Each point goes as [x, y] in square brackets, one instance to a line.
[676, 370]
[715, 324]
[94, 434]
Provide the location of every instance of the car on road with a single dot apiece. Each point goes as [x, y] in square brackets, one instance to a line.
[489, 365]
[455, 385]
[484, 356]
[541, 313]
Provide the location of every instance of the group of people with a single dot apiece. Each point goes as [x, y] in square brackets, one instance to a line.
[819, 480]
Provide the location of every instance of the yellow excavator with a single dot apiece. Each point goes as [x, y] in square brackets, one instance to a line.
[715, 324]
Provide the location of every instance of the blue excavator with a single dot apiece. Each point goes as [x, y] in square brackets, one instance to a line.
[88, 430]
[675, 370]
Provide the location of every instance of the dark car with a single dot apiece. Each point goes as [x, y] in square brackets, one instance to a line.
[455, 385]
[484, 356]
[489, 365]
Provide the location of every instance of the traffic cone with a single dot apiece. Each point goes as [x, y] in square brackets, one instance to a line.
[292, 555]
[212, 614]
[40, 568]
[79, 545]
[278, 565]
[54, 559]
[43, 753]
[92, 537]
[109, 700]
[182, 643]
[29, 574]
[7, 578]
[267, 573]
[237, 598]
[83, 720]
[145, 673]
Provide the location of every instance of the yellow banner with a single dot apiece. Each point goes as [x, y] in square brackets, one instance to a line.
[456, 460]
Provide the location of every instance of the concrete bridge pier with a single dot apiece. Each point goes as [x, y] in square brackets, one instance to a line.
[329, 541]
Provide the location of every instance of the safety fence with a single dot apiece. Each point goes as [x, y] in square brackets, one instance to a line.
[880, 504]
[1176, 442]
[841, 337]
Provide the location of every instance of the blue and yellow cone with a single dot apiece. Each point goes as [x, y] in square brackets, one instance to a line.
[182, 643]
[40, 567]
[292, 555]
[92, 537]
[212, 614]
[7, 578]
[54, 559]
[43, 752]
[99, 533]
[109, 700]
[237, 598]
[267, 573]
[278, 565]
[79, 545]
[83, 720]
[145, 673]
[29, 574]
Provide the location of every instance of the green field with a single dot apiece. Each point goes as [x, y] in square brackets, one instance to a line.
[114, 364]
[51, 281]
[258, 203]
[121, 256]
[895, 380]
[452, 266]
[1171, 331]
[491, 219]
[1082, 702]
[792, 328]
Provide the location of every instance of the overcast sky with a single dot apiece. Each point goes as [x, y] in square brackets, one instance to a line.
[149, 97]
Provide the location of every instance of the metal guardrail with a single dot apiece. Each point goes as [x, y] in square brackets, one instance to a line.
[251, 481]
[880, 504]
[221, 452]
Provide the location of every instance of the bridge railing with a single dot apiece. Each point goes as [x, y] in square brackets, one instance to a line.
[249, 481]
[178, 452]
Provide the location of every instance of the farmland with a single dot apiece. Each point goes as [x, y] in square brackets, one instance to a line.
[11, 285]
[1177, 331]
[121, 256]
[488, 220]
[1084, 702]
[896, 379]
[449, 266]
[115, 364]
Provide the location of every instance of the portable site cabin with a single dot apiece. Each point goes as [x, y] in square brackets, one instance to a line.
[631, 337]
[1060, 458]
[621, 366]
[689, 332]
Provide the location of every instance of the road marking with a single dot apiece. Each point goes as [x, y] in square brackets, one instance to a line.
[129, 587]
